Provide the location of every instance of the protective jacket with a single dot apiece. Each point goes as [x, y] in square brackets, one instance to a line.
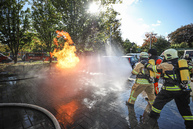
[171, 90]
[142, 83]
[142, 74]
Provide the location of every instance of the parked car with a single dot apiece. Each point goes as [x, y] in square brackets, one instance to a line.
[4, 59]
[35, 57]
[133, 54]
[132, 60]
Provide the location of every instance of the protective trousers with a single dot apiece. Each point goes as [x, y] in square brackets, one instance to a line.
[182, 100]
[144, 122]
[138, 88]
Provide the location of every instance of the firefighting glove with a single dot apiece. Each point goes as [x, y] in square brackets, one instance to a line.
[144, 62]
[146, 65]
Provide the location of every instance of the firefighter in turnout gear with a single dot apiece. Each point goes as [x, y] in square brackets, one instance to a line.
[187, 57]
[143, 81]
[153, 55]
[176, 77]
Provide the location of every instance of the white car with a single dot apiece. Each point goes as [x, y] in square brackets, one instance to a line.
[190, 52]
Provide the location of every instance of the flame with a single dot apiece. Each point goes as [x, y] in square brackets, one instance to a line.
[66, 57]
[66, 112]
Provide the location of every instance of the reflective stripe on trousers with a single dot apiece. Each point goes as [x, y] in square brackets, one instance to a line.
[156, 110]
[188, 117]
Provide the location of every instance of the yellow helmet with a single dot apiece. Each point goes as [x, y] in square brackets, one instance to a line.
[144, 55]
[170, 54]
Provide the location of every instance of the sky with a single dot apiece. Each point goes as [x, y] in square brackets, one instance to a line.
[158, 16]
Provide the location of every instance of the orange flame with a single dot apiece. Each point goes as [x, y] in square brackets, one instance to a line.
[66, 57]
[66, 112]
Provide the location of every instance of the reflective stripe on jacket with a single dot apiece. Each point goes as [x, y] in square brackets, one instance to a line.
[171, 88]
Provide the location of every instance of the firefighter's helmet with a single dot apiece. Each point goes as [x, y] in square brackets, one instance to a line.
[152, 52]
[143, 55]
[187, 55]
[170, 54]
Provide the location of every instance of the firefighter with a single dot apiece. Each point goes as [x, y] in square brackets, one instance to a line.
[187, 57]
[143, 81]
[189, 61]
[153, 55]
[174, 75]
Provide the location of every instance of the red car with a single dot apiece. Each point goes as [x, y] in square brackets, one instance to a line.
[4, 59]
[35, 57]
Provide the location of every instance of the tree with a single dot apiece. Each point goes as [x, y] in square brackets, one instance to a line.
[33, 44]
[161, 45]
[126, 46]
[14, 25]
[182, 34]
[150, 39]
[181, 45]
[88, 31]
[4, 48]
[45, 21]
[129, 47]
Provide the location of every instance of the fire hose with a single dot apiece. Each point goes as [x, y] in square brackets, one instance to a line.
[49, 114]
[25, 105]
[17, 79]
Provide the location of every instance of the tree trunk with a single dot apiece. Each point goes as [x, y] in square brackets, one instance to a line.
[15, 59]
[50, 57]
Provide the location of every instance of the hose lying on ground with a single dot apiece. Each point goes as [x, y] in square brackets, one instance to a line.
[18, 79]
[49, 114]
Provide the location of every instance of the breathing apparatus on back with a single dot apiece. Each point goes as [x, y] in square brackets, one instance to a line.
[152, 74]
[180, 68]
[184, 74]
[152, 60]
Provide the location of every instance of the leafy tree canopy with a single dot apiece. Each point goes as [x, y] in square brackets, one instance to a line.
[129, 47]
[160, 45]
[14, 24]
[45, 21]
[182, 34]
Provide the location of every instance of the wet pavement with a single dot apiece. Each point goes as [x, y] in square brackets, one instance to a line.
[83, 99]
